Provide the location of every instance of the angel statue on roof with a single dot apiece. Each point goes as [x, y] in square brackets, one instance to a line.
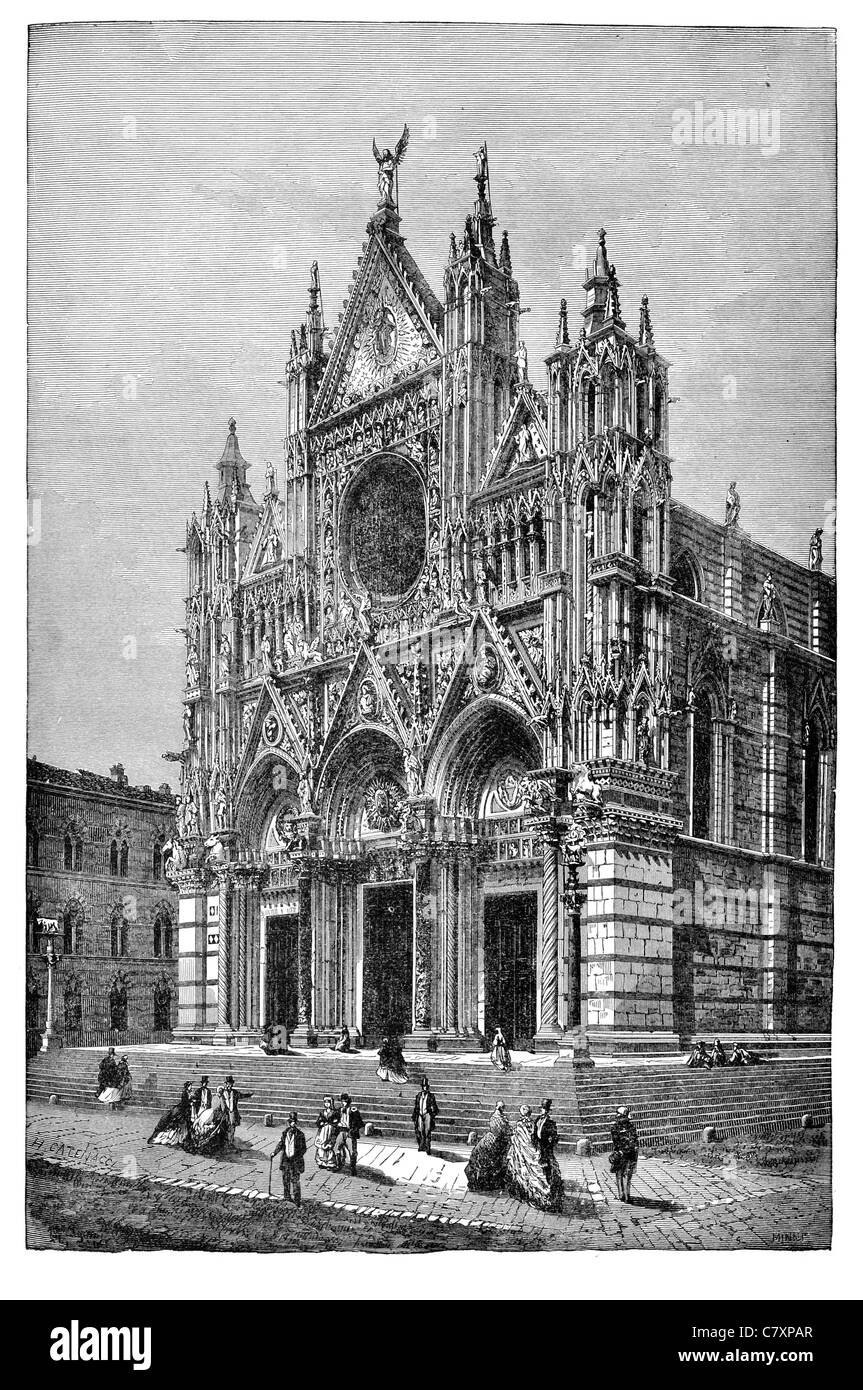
[388, 162]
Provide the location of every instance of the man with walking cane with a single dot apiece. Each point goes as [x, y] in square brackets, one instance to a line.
[292, 1147]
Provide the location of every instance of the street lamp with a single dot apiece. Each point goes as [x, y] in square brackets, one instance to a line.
[51, 1041]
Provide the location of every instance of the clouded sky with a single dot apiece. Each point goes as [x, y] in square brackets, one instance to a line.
[182, 177]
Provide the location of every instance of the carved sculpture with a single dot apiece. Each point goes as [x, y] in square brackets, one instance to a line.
[387, 164]
[815, 551]
[732, 505]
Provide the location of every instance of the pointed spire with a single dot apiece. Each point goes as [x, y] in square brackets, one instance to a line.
[603, 298]
[562, 326]
[468, 245]
[232, 466]
[505, 259]
[645, 330]
[315, 313]
[453, 249]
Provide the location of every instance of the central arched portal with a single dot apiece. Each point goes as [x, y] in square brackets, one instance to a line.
[479, 774]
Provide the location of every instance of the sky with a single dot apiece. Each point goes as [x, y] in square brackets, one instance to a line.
[182, 177]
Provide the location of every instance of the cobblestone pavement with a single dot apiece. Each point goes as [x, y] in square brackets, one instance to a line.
[678, 1204]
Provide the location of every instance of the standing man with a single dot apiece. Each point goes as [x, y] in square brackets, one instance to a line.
[624, 1151]
[350, 1126]
[107, 1072]
[292, 1147]
[202, 1097]
[545, 1137]
[425, 1114]
[230, 1097]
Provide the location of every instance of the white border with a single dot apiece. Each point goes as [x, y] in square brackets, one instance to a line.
[573, 1275]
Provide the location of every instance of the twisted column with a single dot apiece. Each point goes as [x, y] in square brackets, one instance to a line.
[548, 979]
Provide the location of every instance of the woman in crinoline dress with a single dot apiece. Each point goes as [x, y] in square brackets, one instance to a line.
[392, 1063]
[525, 1178]
[120, 1088]
[210, 1128]
[326, 1153]
[174, 1128]
[499, 1054]
[486, 1168]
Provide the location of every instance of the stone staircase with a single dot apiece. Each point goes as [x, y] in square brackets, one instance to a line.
[670, 1104]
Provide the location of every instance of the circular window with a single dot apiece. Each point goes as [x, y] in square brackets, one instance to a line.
[383, 532]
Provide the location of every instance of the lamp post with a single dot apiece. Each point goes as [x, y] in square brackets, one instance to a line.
[51, 1041]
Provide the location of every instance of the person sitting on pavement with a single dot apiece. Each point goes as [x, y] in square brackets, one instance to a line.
[717, 1055]
[699, 1056]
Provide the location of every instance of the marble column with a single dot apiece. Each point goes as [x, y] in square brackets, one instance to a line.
[450, 871]
[549, 1024]
[242, 1018]
[303, 1035]
[223, 1002]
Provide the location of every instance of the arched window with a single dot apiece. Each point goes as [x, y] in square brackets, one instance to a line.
[685, 577]
[124, 860]
[814, 816]
[33, 849]
[73, 928]
[590, 409]
[72, 1006]
[119, 933]
[118, 1006]
[67, 854]
[158, 867]
[658, 412]
[162, 1006]
[113, 861]
[79, 856]
[702, 767]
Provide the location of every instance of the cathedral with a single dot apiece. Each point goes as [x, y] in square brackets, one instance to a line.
[482, 727]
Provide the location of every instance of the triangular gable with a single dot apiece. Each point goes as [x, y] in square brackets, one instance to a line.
[268, 543]
[390, 329]
[473, 677]
[366, 700]
[287, 743]
[523, 444]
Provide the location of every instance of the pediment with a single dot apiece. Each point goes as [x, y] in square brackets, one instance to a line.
[268, 547]
[523, 444]
[390, 330]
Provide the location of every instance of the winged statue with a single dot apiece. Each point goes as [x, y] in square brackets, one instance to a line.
[387, 163]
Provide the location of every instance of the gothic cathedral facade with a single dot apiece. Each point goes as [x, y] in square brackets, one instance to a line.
[482, 728]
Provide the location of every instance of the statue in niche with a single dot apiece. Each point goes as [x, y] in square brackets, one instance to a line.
[367, 701]
[643, 739]
[193, 669]
[225, 655]
[413, 769]
[768, 600]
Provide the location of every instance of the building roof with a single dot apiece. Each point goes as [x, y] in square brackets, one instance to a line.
[94, 782]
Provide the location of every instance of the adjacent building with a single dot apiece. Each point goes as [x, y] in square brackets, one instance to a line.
[96, 850]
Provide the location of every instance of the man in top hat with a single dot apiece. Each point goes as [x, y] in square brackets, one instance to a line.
[292, 1147]
[107, 1072]
[624, 1151]
[202, 1097]
[545, 1137]
[425, 1114]
[350, 1127]
[230, 1097]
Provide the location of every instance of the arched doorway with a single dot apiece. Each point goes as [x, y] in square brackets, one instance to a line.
[477, 772]
[363, 799]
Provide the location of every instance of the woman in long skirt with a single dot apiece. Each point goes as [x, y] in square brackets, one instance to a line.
[486, 1167]
[120, 1088]
[210, 1128]
[391, 1062]
[175, 1126]
[326, 1154]
[499, 1054]
[525, 1178]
